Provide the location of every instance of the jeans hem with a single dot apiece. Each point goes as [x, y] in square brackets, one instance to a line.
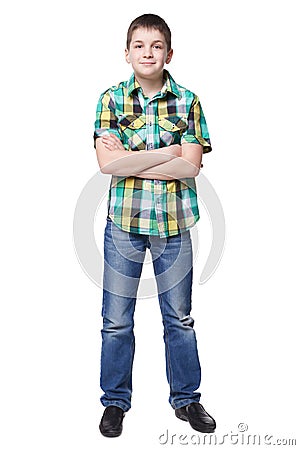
[121, 405]
[181, 403]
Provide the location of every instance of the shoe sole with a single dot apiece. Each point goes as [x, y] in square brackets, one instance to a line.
[203, 429]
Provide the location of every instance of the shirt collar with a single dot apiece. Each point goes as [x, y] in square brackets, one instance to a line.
[169, 85]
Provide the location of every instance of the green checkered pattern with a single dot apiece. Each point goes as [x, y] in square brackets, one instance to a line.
[173, 116]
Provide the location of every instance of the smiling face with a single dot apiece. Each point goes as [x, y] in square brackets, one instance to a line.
[148, 53]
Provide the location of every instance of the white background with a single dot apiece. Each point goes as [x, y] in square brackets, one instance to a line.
[241, 58]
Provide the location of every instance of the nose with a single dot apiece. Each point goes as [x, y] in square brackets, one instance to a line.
[148, 52]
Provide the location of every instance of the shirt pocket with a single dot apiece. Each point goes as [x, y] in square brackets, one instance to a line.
[171, 129]
[133, 131]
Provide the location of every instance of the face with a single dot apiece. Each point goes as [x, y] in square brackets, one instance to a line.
[148, 53]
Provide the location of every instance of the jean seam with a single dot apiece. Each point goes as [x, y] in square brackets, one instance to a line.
[167, 347]
[169, 362]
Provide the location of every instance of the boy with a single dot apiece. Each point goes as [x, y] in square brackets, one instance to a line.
[150, 134]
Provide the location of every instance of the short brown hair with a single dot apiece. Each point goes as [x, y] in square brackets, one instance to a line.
[149, 21]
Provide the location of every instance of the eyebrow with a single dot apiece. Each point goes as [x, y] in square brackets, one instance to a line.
[156, 40]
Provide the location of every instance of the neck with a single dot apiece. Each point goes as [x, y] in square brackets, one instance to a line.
[150, 87]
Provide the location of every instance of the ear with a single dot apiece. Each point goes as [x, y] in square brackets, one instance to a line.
[169, 56]
[127, 55]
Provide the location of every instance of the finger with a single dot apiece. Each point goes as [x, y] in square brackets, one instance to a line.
[110, 140]
[115, 138]
[105, 138]
[108, 136]
[119, 146]
[109, 145]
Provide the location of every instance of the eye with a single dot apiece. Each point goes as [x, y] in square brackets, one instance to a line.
[157, 46]
[138, 46]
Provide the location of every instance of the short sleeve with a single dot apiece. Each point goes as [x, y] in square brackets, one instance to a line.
[106, 120]
[197, 132]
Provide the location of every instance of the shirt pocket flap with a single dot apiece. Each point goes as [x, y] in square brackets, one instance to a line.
[131, 121]
[173, 123]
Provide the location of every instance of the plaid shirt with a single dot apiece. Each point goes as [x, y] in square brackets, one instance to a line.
[173, 116]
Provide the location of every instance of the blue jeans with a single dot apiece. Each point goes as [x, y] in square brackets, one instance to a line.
[172, 260]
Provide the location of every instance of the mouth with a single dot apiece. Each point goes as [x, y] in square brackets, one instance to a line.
[147, 63]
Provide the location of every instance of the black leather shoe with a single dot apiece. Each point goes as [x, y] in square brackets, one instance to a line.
[111, 424]
[199, 419]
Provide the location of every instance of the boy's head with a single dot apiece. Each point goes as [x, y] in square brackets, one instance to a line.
[149, 21]
[148, 46]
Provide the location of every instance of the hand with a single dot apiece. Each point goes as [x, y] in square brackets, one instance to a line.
[112, 142]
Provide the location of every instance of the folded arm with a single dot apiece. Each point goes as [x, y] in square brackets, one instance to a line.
[167, 163]
[114, 159]
[185, 166]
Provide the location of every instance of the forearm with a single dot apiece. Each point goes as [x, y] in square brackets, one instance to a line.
[175, 169]
[131, 163]
[128, 163]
